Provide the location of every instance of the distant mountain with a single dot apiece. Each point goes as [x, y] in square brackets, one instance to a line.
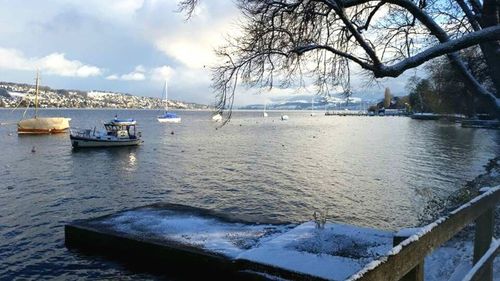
[304, 103]
[14, 94]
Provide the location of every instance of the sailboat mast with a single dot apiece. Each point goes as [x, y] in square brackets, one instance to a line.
[36, 93]
[166, 96]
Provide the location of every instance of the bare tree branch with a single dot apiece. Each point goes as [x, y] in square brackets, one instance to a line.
[285, 39]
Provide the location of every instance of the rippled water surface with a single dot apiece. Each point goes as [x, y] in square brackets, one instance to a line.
[371, 171]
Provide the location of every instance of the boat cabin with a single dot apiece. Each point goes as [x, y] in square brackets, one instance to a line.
[123, 129]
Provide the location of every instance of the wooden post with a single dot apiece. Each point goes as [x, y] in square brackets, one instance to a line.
[417, 273]
[482, 241]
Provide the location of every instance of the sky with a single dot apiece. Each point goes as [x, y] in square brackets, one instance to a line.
[130, 46]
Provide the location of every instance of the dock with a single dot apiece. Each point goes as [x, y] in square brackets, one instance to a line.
[193, 242]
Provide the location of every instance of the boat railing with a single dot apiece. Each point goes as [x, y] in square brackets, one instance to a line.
[83, 132]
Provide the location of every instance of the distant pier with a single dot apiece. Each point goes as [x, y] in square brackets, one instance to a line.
[347, 112]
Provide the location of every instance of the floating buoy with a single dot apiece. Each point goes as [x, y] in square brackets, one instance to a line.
[172, 132]
[33, 150]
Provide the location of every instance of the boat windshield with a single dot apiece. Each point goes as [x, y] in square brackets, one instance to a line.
[112, 129]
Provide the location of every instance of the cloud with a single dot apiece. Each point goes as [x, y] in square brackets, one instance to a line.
[113, 77]
[191, 42]
[55, 64]
[138, 74]
[162, 73]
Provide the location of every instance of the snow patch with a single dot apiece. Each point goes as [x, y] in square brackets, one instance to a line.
[484, 189]
[210, 234]
[407, 232]
[335, 252]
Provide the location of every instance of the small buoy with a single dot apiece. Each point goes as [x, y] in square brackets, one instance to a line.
[241, 125]
[314, 137]
[172, 132]
[182, 151]
[283, 145]
[33, 150]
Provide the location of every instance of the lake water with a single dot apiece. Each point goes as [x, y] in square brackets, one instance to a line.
[370, 171]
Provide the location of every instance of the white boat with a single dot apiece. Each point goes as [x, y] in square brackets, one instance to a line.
[42, 125]
[217, 117]
[284, 117]
[119, 132]
[168, 117]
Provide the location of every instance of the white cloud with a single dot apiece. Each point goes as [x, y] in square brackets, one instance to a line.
[112, 77]
[162, 73]
[138, 74]
[55, 63]
[133, 76]
[191, 42]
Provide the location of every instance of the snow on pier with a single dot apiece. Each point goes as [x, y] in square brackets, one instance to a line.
[293, 251]
[174, 237]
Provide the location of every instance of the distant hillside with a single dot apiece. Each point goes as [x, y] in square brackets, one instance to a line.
[13, 94]
[304, 103]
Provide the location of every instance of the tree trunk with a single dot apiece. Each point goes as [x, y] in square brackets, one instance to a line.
[491, 50]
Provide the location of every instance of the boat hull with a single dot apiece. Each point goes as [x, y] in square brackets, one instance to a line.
[43, 125]
[80, 142]
[217, 118]
[169, 120]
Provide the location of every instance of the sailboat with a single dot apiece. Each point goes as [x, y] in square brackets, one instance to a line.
[312, 106]
[264, 114]
[42, 125]
[168, 117]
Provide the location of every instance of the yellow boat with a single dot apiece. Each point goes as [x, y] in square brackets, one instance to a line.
[42, 125]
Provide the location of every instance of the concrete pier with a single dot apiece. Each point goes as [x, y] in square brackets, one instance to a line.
[195, 243]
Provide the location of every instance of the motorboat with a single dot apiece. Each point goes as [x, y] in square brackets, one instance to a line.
[119, 132]
[42, 125]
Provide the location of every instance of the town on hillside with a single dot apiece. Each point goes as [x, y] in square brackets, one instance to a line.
[19, 95]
